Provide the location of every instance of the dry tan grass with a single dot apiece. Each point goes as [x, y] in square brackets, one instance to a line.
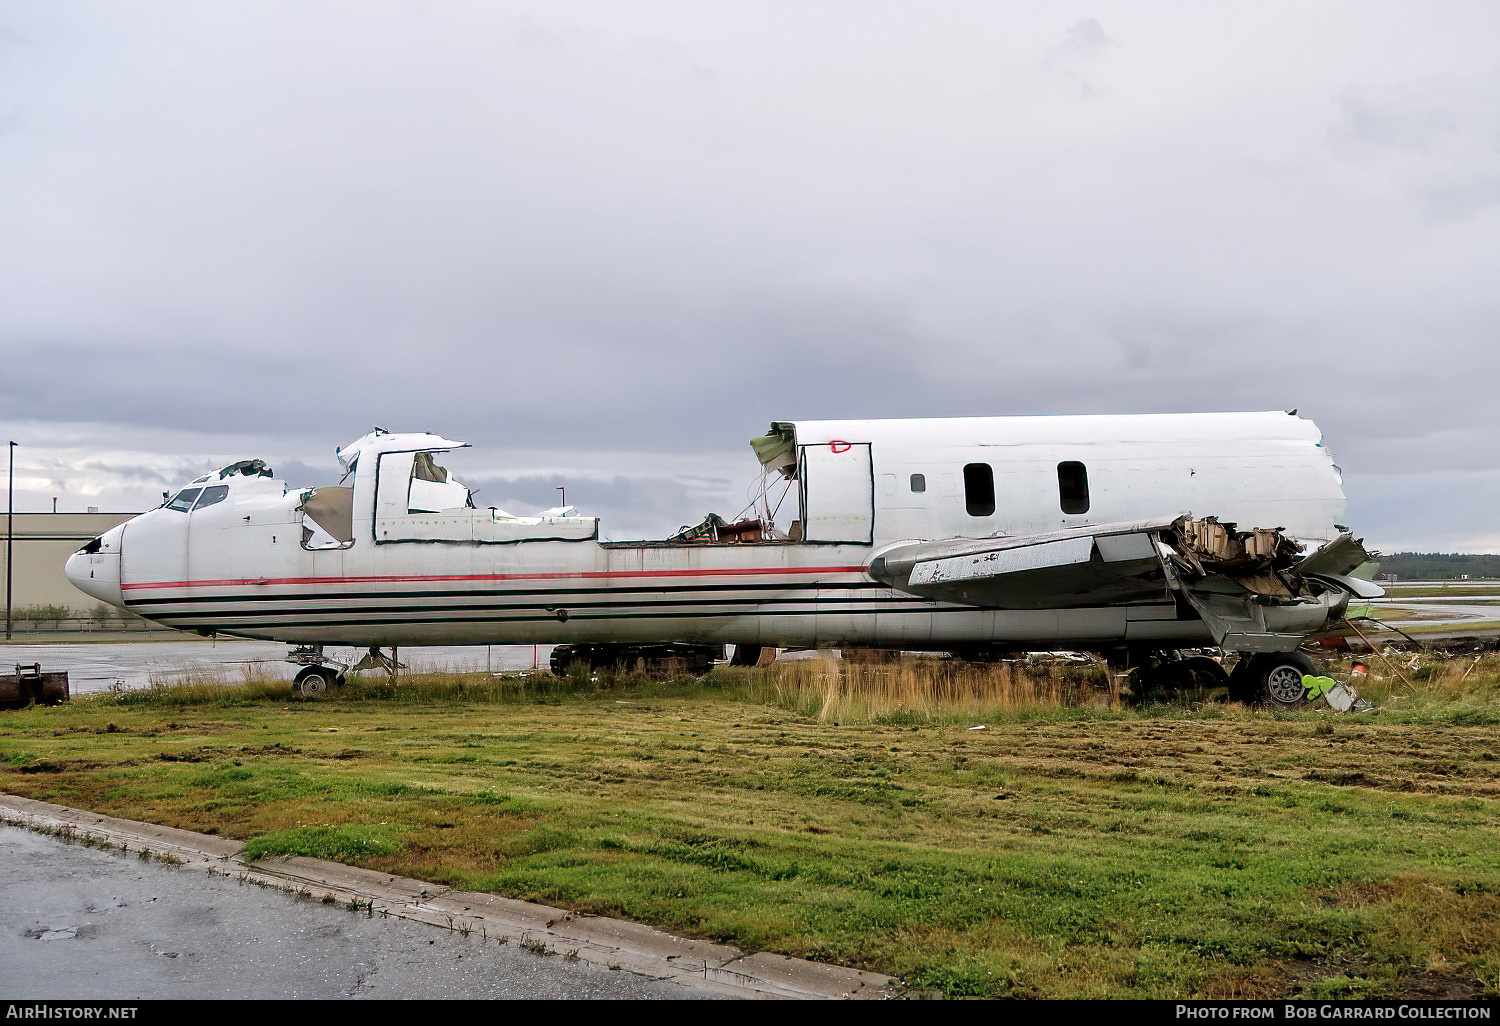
[833, 690]
[1427, 680]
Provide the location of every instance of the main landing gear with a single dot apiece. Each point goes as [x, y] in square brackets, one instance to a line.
[374, 660]
[1172, 673]
[657, 658]
[1271, 679]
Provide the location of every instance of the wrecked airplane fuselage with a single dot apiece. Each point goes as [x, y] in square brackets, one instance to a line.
[1115, 534]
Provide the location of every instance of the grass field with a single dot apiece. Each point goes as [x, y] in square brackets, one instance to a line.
[1076, 846]
[1449, 590]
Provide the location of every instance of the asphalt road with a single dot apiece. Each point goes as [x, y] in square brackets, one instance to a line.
[80, 923]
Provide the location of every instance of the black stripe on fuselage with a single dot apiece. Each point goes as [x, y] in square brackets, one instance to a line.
[210, 622]
[261, 596]
[688, 605]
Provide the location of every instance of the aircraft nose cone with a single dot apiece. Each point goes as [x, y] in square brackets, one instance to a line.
[95, 568]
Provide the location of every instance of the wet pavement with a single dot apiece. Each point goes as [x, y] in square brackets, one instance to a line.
[79, 923]
[98, 666]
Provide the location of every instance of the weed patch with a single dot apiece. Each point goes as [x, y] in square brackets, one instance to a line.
[337, 844]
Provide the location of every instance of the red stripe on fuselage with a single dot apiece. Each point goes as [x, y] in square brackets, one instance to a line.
[592, 575]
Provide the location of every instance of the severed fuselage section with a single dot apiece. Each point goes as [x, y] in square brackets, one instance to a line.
[1092, 533]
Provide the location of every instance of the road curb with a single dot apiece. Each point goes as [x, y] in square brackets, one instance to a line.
[616, 943]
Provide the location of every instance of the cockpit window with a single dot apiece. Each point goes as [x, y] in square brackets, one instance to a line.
[424, 468]
[432, 488]
[183, 500]
[211, 495]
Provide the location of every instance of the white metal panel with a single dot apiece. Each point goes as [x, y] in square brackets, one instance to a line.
[1121, 547]
[1005, 561]
[839, 492]
[1256, 469]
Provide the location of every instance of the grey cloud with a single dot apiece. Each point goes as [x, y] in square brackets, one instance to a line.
[1401, 127]
[1463, 200]
[141, 474]
[298, 474]
[569, 229]
[1450, 512]
[1086, 37]
[1437, 137]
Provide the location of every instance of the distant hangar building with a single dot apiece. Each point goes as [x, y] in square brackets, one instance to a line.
[42, 543]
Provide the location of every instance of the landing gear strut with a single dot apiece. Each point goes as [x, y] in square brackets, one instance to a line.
[374, 659]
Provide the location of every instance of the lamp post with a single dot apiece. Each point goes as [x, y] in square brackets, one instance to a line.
[10, 535]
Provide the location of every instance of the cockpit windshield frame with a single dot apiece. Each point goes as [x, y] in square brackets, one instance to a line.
[212, 495]
[183, 501]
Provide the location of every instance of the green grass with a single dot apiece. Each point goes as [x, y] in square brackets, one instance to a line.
[1077, 847]
[337, 844]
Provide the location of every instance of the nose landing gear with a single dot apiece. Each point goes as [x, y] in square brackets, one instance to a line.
[314, 680]
[318, 670]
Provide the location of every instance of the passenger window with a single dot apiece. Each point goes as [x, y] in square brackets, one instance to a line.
[1073, 486]
[979, 489]
[211, 495]
[183, 500]
[918, 482]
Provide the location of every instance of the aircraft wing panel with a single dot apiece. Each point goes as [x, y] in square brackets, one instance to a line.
[1246, 586]
[1336, 559]
[1100, 565]
[1003, 561]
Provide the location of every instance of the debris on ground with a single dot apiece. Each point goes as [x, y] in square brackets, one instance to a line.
[1338, 696]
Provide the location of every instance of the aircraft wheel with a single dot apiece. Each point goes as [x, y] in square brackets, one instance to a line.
[1201, 672]
[1196, 677]
[1273, 679]
[314, 680]
[562, 658]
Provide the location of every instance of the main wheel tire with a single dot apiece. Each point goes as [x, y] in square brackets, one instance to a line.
[314, 680]
[1202, 673]
[1173, 678]
[563, 656]
[1273, 679]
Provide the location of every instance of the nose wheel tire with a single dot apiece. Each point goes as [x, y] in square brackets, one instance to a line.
[315, 680]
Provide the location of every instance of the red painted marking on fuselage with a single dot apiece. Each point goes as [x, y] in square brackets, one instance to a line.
[588, 575]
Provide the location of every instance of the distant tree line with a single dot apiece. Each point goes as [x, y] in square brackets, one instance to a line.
[101, 611]
[1439, 566]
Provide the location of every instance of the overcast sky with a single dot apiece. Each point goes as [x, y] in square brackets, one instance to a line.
[610, 242]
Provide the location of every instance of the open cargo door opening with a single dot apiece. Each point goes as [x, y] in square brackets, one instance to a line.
[837, 487]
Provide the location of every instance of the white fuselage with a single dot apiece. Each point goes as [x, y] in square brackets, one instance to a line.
[244, 565]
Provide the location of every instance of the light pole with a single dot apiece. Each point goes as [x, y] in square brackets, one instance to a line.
[10, 535]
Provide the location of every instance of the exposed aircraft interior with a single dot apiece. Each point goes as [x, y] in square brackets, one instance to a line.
[437, 505]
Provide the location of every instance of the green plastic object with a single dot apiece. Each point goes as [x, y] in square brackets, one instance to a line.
[1317, 687]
